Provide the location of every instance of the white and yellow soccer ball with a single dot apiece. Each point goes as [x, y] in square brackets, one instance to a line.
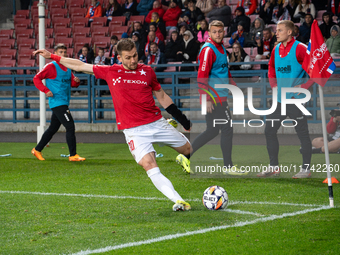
[215, 198]
[172, 122]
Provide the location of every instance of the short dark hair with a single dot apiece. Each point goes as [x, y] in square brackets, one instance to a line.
[153, 43]
[125, 44]
[60, 46]
[268, 29]
[114, 37]
[100, 49]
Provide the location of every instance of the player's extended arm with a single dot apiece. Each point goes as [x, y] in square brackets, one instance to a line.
[73, 64]
[171, 108]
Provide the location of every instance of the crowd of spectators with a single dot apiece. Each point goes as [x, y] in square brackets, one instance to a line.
[174, 30]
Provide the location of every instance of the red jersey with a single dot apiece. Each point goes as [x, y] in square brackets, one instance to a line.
[131, 92]
[301, 52]
[49, 72]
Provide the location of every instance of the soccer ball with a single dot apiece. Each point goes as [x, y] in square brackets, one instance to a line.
[214, 198]
[172, 122]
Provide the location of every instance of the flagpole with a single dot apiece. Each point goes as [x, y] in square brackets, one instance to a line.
[325, 142]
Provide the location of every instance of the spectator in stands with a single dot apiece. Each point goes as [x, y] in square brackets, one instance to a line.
[287, 10]
[239, 55]
[95, 10]
[166, 2]
[139, 46]
[153, 28]
[333, 42]
[203, 33]
[129, 8]
[156, 57]
[112, 9]
[152, 38]
[256, 29]
[265, 45]
[194, 12]
[156, 7]
[266, 12]
[144, 7]
[205, 5]
[172, 47]
[334, 7]
[238, 36]
[239, 16]
[171, 15]
[222, 12]
[327, 24]
[182, 28]
[306, 27]
[297, 35]
[189, 48]
[304, 7]
[159, 23]
[86, 54]
[333, 129]
[100, 59]
[248, 5]
[137, 27]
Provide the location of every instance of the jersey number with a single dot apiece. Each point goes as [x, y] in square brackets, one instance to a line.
[131, 145]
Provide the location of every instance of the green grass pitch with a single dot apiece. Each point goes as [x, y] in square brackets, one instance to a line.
[108, 205]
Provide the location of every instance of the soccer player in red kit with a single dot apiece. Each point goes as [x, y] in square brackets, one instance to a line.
[132, 86]
[59, 81]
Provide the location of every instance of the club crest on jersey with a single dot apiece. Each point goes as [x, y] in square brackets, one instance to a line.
[116, 81]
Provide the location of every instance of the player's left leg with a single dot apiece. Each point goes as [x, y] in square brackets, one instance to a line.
[301, 129]
[66, 119]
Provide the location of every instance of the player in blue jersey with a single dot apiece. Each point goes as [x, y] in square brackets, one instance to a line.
[59, 81]
[213, 68]
[285, 70]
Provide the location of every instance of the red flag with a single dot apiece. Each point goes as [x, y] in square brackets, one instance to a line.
[318, 63]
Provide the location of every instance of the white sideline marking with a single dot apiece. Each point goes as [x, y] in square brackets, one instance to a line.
[201, 231]
[144, 198]
[242, 212]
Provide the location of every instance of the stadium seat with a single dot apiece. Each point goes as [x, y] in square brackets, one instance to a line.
[54, 11]
[101, 40]
[7, 63]
[77, 10]
[26, 41]
[8, 43]
[95, 26]
[34, 13]
[9, 32]
[62, 31]
[139, 18]
[226, 42]
[67, 41]
[117, 19]
[319, 15]
[63, 22]
[70, 52]
[22, 22]
[24, 51]
[25, 13]
[80, 20]
[82, 40]
[81, 31]
[10, 53]
[24, 32]
[100, 31]
[75, 4]
[56, 4]
[4, 37]
[99, 20]
[26, 63]
[118, 29]
[36, 22]
[49, 43]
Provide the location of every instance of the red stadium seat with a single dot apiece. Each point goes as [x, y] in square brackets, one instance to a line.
[139, 18]
[36, 22]
[56, 4]
[82, 39]
[48, 33]
[62, 31]
[26, 41]
[67, 41]
[4, 37]
[9, 43]
[24, 32]
[80, 20]
[49, 43]
[81, 31]
[9, 32]
[64, 22]
[121, 19]
[70, 52]
[7, 63]
[22, 22]
[9, 53]
[77, 10]
[25, 13]
[118, 29]
[104, 31]
[102, 40]
[25, 51]
[34, 13]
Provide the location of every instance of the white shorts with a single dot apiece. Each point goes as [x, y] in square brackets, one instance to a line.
[141, 138]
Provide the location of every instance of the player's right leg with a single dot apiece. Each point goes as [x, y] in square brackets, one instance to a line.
[47, 136]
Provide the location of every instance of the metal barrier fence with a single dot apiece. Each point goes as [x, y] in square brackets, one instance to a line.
[15, 90]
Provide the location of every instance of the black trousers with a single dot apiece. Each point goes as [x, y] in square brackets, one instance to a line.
[60, 115]
[301, 129]
[219, 112]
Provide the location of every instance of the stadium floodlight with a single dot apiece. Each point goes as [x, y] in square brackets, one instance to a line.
[42, 101]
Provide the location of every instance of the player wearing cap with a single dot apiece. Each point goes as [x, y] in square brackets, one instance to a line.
[213, 67]
[132, 87]
[57, 89]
